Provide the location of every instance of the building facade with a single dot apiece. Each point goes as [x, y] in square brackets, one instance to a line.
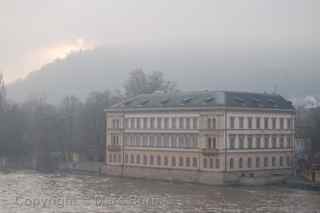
[207, 137]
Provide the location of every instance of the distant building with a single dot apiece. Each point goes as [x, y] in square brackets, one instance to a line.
[208, 137]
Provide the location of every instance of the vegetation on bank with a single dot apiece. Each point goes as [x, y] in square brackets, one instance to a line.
[44, 133]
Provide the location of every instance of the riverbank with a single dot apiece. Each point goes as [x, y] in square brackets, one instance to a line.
[86, 167]
[95, 169]
[301, 183]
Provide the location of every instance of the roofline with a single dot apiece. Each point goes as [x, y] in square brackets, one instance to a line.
[165, 109]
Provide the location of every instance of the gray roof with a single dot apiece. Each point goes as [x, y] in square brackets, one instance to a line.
[199, 99]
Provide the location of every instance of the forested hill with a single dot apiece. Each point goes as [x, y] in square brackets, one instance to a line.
[292, 72]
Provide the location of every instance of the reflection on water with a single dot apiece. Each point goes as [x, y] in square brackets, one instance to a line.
[34, 192]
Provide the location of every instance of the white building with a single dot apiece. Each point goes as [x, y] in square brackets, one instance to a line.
[208, 137]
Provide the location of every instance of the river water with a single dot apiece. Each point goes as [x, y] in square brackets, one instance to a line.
[25, 191]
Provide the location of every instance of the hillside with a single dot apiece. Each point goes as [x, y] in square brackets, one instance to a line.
[292, 72]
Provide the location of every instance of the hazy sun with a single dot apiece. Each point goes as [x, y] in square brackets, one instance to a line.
[61, 50]
[35, 59]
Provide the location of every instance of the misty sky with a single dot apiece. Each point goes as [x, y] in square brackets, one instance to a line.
[35, 32]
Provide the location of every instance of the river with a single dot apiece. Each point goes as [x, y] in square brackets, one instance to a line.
[25, 191]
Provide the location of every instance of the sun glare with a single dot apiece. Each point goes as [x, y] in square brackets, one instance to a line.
[65, 48]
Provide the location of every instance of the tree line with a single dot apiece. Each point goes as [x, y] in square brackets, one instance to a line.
[39, 131]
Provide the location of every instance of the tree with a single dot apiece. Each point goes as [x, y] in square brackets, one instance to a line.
[141, 83]
[70, 112]
[2, 93]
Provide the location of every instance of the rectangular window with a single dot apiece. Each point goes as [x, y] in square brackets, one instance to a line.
[249, 163]
[195, 141]
[159, 142]
[145, 160]
[173, 161]
[232, 141]
[257, 162]
[209, 123]
[125, 140]
[116, 123]
[159, 120]
[249, 142]
[187, 162]
[194, 162]
[166, 123]
[126, 158]
[266, 141]
[138, 140]
[258, 142]
[249, 123]
[281, 123]
[181, 161]
[274, 123]
[274, 142]
[288, 141]
[145, 140]
[187, 123]
[181, 141]
[205, 162]
[145, 123]
[165, 160]
[132, 123]
[257, 123]
[151, 160]
[173, 141]
[266, 123]
[289, 123]
[166, 141]
[281, 142]
[288, 161]
[126, 123]
[232, 122]
[214, 123]
[188, 141]
[211, 163]
[138, 123]
[217, 163]
[265, 162]
[173, 123]
[151, 139]
[195, 123]
[152, 120]
[181, 123]
[241, 141]
[273, 161]
[241, 121]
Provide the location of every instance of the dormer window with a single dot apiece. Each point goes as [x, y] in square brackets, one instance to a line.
[186, 100]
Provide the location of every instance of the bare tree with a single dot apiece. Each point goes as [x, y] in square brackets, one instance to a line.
[141, 83]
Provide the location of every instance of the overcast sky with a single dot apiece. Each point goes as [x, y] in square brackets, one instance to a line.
[35, 32]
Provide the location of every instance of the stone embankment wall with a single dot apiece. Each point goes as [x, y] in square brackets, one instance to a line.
[195, 176]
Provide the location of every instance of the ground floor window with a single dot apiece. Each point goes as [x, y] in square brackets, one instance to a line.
[205, 162]
[231, 163]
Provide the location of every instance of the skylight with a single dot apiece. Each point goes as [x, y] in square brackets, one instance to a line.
[187, 100]
[209, 99]
[165, 101]
[144, 102]
[239, 99]
[128, 102]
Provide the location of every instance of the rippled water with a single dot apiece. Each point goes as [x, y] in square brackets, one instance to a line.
[34, 192]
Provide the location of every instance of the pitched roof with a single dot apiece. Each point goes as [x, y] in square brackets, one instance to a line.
[205, 99]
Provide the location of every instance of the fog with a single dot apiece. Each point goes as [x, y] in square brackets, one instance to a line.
[36, 32]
